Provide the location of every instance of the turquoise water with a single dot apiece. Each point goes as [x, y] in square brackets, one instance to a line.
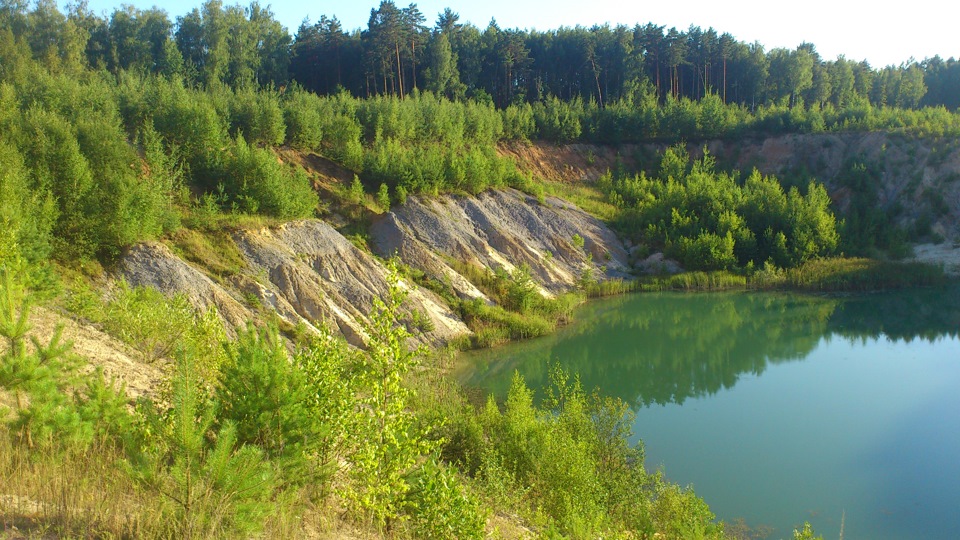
[777, 408]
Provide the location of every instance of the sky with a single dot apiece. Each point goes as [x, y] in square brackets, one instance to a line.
[857, 29]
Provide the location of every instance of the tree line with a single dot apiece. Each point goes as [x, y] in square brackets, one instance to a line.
[398, 53]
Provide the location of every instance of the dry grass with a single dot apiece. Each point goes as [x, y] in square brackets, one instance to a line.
[214, 251]
[70, 494]
[89, 494]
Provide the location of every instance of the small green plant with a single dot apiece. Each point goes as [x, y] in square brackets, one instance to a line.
[806, 533]
[421, 321]
[401, 193]
[217, 487]
[383, 198]
[577, 241]
[382, 463]
[355, 193]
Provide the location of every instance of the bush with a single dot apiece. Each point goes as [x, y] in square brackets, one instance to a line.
[708, 221]
[265, 396]
[217, 486]
[255, 182]
[566, 465]
[301, 112]
[258, 116]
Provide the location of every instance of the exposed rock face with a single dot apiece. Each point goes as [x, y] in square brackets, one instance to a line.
[309, 270]
[917, 175]
[309, 274]
[305, 271]
[152, 264]
[500, 229]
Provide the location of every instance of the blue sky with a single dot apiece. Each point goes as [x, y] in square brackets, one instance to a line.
[859, 30]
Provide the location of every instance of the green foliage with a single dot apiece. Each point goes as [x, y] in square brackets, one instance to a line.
[301, 113]
[27, 216]
[440, 506]
[567, 466]
[383, 198]
[156, 326]
[558, 121]
[145, 319]
[327, 364]
[48, 411]
[355, 192]
[577, 240]
[708, 221]
[381, 464]
[266, 398]
[218, 488]
[806, 533]
[867, 227]
[253, 181]
[521, 312]
[257, 115]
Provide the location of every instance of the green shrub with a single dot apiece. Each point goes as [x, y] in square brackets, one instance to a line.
[255, 182]
[265, 396]
[217, 487]
[441, 507]
[301, 112]
[257, 115]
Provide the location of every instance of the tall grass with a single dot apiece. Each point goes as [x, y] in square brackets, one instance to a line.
[858, 274]
[694, 281]
[834, 275]
[73, 493]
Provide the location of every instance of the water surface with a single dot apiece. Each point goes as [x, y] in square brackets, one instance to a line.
[779, 408]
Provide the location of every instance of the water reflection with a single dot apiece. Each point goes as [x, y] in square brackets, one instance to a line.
[666, 348]
[927, 314]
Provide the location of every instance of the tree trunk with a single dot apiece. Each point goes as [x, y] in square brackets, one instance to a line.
[413, 47]
[399, 71]
[724, 81]
[596, 77]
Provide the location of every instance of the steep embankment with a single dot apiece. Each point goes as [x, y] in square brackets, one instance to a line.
[307, 273]
[501, 229]
[919, 175]
[917, 179]
[304, 272]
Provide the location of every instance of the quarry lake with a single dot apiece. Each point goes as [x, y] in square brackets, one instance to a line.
[843, 411]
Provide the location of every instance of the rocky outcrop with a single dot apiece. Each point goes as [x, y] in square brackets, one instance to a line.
[500, 229]
[309, 275]
[305, 272]
[152, 264]
[309, 272]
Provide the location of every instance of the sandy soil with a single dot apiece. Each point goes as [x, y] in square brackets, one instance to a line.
[100, 350]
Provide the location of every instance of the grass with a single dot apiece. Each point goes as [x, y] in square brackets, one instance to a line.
[611, 287]
[71, 494]
[858, 274]
[521, 311]
[694, 281]
[834, 275]
[213, 250]
[585, 196]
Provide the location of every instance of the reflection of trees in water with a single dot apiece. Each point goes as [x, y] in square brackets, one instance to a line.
[665, 348]
[928, 314]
